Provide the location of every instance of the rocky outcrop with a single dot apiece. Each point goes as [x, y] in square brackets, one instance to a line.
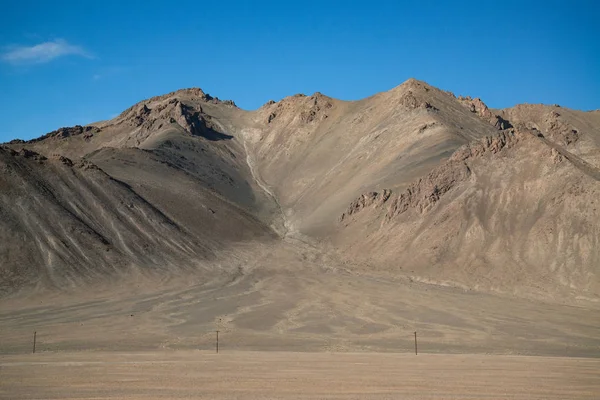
[559, 131]
[191, 118]
[489, 144]
[411, 102]
[193, 94]
[429, 125]
[420, 195]
[188, 118]
[138, 113]
[140, 116]
[480, 108]
[317, 110]
[425, 192]
[307, 108]
[17, 141]
[371, 199]
[63, 160]
[88, 165]
[556, 157]
[197, 123]
[25, 153]
[41, 159]
[66, 132]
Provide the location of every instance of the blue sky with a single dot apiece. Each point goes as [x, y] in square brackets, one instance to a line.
[75, 62]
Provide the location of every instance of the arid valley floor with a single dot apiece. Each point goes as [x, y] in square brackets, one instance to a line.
[276, 375]
[289, 334]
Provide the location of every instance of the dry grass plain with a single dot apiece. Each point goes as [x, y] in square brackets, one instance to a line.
[281, 375]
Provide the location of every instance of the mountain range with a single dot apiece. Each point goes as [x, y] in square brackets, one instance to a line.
[436, 197]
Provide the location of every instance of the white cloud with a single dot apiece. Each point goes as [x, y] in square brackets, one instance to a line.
[43, 52]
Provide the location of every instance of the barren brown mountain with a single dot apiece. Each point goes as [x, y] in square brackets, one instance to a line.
[308, 224]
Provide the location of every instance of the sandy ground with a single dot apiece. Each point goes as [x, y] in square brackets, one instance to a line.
[289, 303]
[260, 375]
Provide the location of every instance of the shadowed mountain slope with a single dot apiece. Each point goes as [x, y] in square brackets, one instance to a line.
[64, 222]
[159, 188]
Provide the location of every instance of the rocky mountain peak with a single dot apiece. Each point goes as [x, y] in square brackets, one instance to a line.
[478, 107]
[307, 109]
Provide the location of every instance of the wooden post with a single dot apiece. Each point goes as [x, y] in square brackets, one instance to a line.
[416, 344]
[217, 342]
[34, 338]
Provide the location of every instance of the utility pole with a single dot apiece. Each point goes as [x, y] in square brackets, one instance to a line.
[416, 344]
[217, 342]
[34, 338]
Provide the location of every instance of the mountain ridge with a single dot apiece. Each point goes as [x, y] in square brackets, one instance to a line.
[302, 165]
